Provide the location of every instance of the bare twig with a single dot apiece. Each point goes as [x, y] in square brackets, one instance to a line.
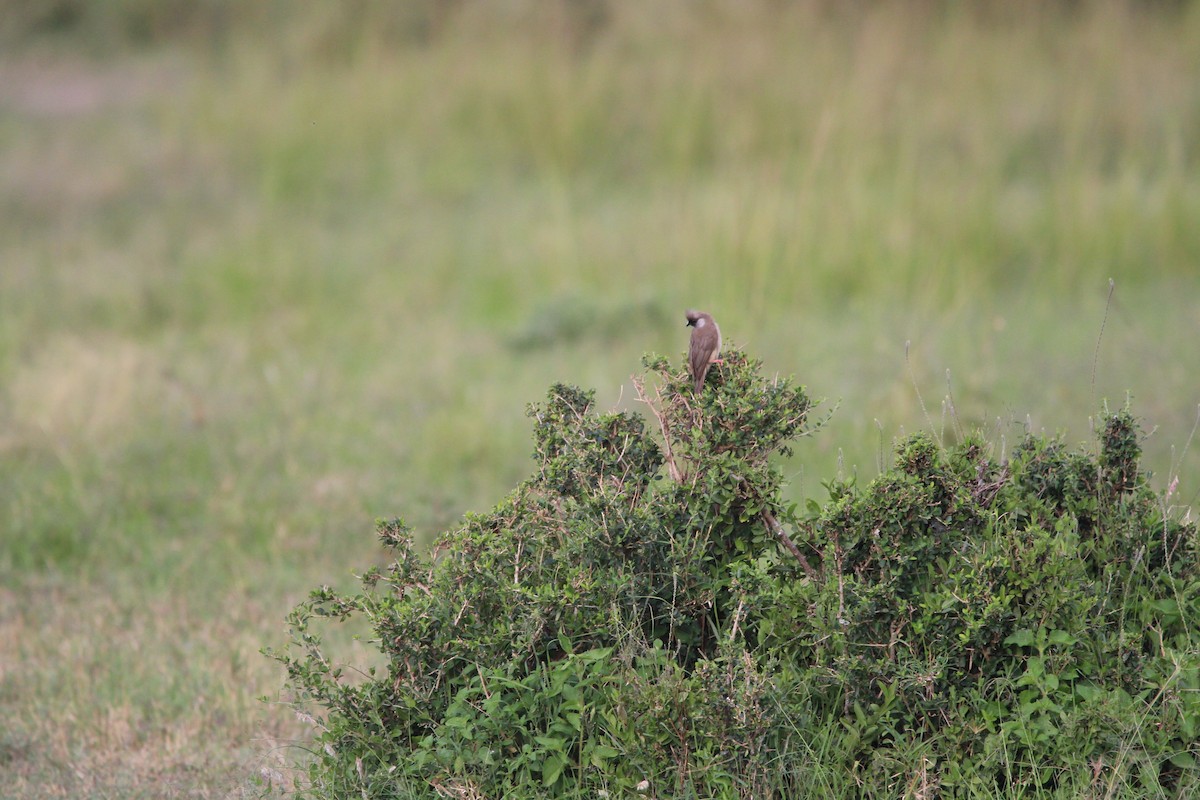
[1112, 285]
[921, 400]
[776, 529]
[461, 611]
[737, 619]
[985, 491]
[517, 563]
[668, 453]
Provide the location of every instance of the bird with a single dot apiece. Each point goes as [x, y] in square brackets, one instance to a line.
[705, 346]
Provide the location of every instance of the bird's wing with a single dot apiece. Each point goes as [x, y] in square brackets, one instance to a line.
[704, 345]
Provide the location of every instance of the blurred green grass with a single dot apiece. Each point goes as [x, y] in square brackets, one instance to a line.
[269, 274]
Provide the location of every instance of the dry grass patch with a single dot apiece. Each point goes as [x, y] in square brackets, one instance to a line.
[110, 694]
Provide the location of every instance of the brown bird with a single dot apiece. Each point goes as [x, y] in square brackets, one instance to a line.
[705, 346]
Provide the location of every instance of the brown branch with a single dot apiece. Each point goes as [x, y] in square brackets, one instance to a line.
[985, 491]
[737, 620]
[672, 467]
[776, 529]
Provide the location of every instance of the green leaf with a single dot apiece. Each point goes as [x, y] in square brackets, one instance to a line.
[552, 768]
[603, 751]
[1021, 638]
[595, 654]
[1168, 607]
[1183, 760]
[1062, 637]
[550, 742]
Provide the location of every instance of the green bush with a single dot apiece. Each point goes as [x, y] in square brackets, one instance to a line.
[1035, 619]
[645, 616]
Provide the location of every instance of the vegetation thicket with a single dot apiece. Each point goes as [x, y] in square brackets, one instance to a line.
[645, 614]
[272, 270]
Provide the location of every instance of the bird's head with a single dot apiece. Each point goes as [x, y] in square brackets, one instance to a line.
[694, 317]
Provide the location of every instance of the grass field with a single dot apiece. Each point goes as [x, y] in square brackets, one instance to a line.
[267, 276]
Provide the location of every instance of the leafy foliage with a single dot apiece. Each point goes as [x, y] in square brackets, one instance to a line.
[1037, 617]
[644, 615]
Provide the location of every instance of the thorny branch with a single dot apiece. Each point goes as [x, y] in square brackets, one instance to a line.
[776, 529]
[668, 453]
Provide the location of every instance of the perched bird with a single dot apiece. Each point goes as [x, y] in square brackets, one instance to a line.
[705, 346]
